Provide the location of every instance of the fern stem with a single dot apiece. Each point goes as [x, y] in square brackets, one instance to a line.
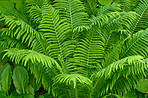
[76, 96]
[94, 87]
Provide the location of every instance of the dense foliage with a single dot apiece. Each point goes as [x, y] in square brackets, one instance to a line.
[73, 48]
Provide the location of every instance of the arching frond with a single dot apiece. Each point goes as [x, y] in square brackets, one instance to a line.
[120, 20]
[125, 4]
[118, 65]
[120, 69]
[90, 6]
[54, 29]
[24, 56]
[89, 52]
[35, 13]
[108, 8]
[74, 13]
[141, 22]
[21, 40]
[9, 41]
[124, 79]
[56, 33]
[112, 54]
[136, 45]
[21, 26]
[104, 13]
[74, 78]
[112, 20]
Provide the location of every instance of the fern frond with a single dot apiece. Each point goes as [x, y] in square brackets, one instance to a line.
[36, 69]
[141, 22]
[104, 13]
[113, 54]
[56, 33]
[125, 4]
[136, 45]
[35, 13]
[74, 78]
[24, 56]
[9, 41]
[118, 65]
[74, 13]
[120, 20]
[120, 69]
[54, 30]
[124, 79]
[108, 8]
[90, 6]
[22, 28]
[89, 52]
[21, 41]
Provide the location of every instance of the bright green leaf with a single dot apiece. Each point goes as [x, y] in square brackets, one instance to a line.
[105, 2]
[6, 78]
[20, 79]
[143, 86]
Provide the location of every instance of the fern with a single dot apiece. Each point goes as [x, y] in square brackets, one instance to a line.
[67, 78]
[73, 12]
[137, 44]
[142, 21]
[90, 6]
[72, 48]
[89, 51]
[24, 56]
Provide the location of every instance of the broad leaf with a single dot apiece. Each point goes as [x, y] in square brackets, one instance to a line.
[105, 2]
[20, 79]
[143, 86]
[6, 78]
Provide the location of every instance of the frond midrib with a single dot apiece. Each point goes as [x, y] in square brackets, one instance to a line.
[139, 20]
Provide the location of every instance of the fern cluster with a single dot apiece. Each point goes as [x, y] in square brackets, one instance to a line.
[72, 48]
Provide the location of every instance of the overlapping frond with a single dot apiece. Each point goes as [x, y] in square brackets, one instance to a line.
[103, 14]
[112, 54]
[72, 79]
[89, 52]
[56, 32]
[141, 22]
[125, 4]
[108, 8]
[90, 6]
[118, 65]
[9, 41]
[74, 13]
[136, 45]
[21, 41]
[54, 29]
[120, 20]
[126, 71]
[35, 13]
[21, 27]
[24, 56]
[111, 20]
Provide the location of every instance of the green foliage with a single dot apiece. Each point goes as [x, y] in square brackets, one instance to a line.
[73, 12]
[20, 79]
[104, 2]
[142, 87]
[6, 78]
[142, 20]
[73, 48]
[72, 79]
